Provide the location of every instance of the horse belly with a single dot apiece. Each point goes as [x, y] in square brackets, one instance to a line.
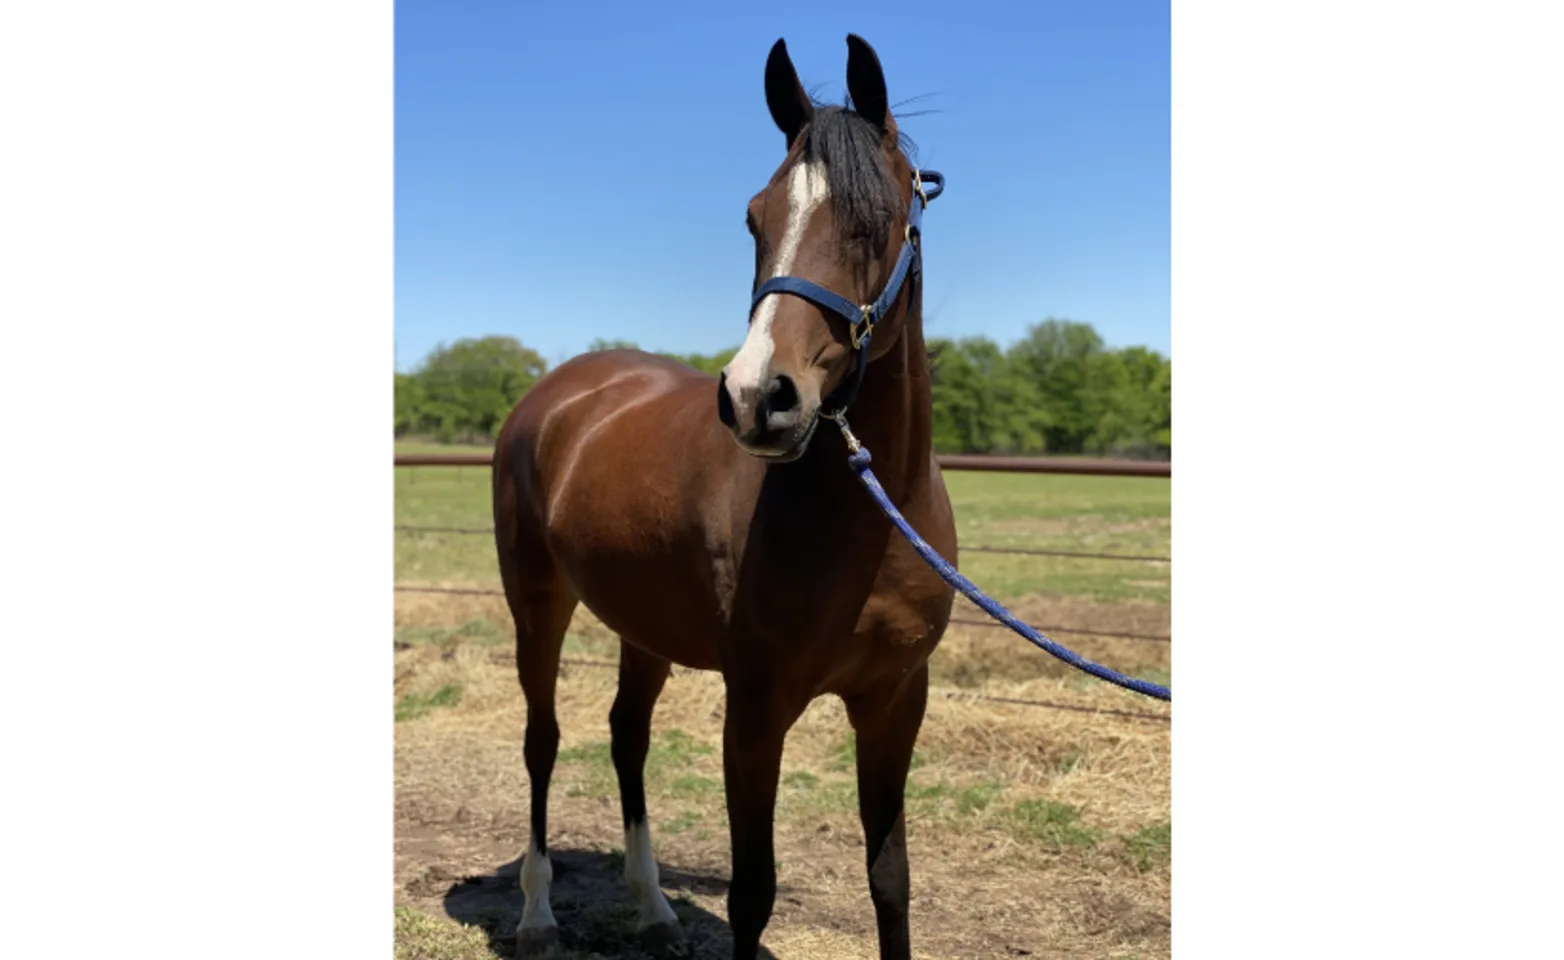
[647, 580]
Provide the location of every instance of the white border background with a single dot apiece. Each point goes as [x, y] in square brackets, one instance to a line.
[196, 205]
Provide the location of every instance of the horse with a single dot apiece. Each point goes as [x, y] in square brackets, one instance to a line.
[705, 523]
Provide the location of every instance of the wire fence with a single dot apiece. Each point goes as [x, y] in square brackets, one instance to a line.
[956, 695]
[959, 695]
[1039, 465]
[981, 548]
[964, 621]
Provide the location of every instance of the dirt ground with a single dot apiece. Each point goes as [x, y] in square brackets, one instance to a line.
[1033, 831]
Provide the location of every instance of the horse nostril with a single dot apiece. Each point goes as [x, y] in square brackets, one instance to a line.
[783, 395]
[725, 404]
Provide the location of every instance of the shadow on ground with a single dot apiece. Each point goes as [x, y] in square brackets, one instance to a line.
[592, 906]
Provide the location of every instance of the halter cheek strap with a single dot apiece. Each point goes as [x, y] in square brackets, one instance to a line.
[862, 318]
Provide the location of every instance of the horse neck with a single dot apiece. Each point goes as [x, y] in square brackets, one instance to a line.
[893, 414]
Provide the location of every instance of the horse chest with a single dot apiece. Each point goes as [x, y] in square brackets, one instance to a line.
[908, 607]
[893, 621]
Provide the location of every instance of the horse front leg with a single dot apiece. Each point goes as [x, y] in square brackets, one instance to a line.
[886, 724]
[753, 733]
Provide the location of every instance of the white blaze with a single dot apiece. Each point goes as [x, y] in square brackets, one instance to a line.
[807, 188]
[645, 884]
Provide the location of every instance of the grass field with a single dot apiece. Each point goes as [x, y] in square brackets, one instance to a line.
[1032, 831]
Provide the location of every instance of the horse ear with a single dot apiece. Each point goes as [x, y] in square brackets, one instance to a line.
[866, 82]
[785, 96]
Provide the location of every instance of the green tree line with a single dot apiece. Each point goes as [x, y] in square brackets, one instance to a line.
[1057, 390]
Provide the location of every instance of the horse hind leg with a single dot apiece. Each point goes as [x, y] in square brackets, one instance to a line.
[641, 679]
[541, 603]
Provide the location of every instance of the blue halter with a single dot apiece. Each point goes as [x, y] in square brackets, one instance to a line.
[861, 318]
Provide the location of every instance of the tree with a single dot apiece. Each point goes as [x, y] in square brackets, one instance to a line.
[706, 363]
[981, 404]
[409, 402]
[1057, 390]
[599, 345]
[470, 386]
[1059, 358]
[1134, 388]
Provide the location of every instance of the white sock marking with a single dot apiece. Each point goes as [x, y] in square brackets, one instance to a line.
[536, 876]
[807, 188]
[641, 873]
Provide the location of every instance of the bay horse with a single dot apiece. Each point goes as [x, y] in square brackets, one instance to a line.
[703, 521]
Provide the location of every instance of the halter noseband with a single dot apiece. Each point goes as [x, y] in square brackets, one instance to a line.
[861, 318]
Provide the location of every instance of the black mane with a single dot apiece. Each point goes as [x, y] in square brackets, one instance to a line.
[864, 195]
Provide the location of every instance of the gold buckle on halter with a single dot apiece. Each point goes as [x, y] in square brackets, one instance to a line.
[917, 187]
[860, 333]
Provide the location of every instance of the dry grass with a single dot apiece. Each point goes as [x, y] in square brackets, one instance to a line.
[1031, 831]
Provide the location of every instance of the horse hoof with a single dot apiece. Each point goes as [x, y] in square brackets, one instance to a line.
[537, 942]
[665, 941]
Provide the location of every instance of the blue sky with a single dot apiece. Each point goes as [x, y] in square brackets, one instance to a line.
[579, 170]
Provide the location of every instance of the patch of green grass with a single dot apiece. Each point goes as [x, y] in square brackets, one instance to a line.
[1050, 823]
[960, 800]
[480, 630]
[597, 644]
[1127, 515]
[1013, 576]
[594, 763]
[597, 753]
[989, 499]
[419, 936]
[811, 796]
[668, 760]
[844, 755]
[430, 445]
[682, 822]
[1148, 847]
[802, 779]
[414, 705]
[444, 497]
[691, 785]
[674, 750]
[423, 634]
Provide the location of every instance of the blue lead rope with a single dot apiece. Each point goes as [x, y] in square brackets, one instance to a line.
[859, 461]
